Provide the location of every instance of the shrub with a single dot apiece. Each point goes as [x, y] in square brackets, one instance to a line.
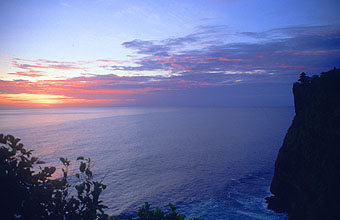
[144, 213]
[27, 193]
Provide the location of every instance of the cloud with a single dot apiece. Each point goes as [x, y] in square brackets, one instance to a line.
[276, 51]
[202, 62]
[112, 61]
[147, 47]
[101, 87]
[43, 64]
[51, 69]
[31, 73]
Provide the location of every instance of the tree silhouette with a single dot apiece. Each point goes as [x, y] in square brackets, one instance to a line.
[303, 78]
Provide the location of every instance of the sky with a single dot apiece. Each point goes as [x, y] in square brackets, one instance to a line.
[162, 53]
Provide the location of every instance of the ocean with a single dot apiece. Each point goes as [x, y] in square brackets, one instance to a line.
[211, 163]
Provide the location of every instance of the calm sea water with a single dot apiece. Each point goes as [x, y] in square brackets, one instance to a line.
[213, 163]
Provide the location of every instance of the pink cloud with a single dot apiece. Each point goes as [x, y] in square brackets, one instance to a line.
[113, 61]
[27, 64]
[31, 73]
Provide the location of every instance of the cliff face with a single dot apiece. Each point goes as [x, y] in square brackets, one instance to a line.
[306, 182]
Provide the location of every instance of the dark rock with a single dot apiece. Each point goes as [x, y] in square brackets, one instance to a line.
[306, 182]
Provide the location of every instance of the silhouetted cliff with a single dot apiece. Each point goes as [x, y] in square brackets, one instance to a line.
[306, 182]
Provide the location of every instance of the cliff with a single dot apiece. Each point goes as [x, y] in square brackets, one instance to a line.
[306, 182]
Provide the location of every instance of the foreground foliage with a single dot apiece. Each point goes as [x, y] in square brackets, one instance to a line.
[28, 190]
[145, 213]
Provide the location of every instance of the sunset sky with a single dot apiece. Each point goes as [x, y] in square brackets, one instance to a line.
[162, 53]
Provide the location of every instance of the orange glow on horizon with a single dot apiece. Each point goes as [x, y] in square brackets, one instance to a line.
[67, 96]
[44, 100]
[74, 92]
[36, 100]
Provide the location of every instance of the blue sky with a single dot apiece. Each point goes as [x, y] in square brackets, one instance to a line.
[114, 52]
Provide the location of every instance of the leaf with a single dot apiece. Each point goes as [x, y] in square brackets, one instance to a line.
[28, 152]
[10, 138]
[62, 160]
[80, 158]
[172, 207]
[80, 188]
[52, 170]
[15, 141]
[20, 146]
[88, 173]
[88, 187]
[82, 167]
[49, 170]
[34, 159]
